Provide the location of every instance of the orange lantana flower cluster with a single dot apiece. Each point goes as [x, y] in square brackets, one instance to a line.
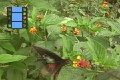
[105, 4]
[99, 25]
[76, 31]
[33, 30]
[64, 28]
[82, 63]
[39, 16]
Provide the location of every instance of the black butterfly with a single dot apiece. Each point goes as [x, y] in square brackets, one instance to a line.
[51, 68]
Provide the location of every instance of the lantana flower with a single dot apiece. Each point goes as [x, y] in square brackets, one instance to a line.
[76, 31]
[82, 63]
[64, 28]
[33, 30]
[105, 4]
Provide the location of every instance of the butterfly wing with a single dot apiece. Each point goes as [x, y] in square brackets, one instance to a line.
[51, 68]
[42, 51]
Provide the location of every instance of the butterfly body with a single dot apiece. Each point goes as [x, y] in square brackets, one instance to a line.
[54, 67]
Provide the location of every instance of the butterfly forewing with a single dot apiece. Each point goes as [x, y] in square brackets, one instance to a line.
[45, 52]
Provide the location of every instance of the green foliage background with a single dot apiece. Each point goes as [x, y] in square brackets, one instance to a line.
[19, 61]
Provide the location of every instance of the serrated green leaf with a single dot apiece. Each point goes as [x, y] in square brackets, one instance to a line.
[98, 51]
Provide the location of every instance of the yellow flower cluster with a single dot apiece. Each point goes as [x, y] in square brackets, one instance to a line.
[75, 62]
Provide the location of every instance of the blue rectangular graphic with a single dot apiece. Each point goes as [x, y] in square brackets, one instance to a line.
[16, 9]
[15, 17]
[16, 24]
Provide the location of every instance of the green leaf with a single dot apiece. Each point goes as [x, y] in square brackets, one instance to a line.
[102, 40]
[2, 51]
[98, 51]
[95, 19]
[51, 19]
[4, 36]
[66, 19]
[58, 43]
[1, 73]
[90, 44]
[71, 23]
[30, 20]
[83, 21]
[42, 5]
[119, 10]
[6, 58]
[15, 74]
[53, 29]
[85, 53]
[118, 20]
[116, 52]
[6, 3]
[46, 44]
[34, 14]
[67, 45]
[82, 12]
[111, 63]
[8, 46]
[30, 60]
[18, 65]
[70, 73]
[114, 25]
[105, 33]
[24, 34]
[23, 51]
